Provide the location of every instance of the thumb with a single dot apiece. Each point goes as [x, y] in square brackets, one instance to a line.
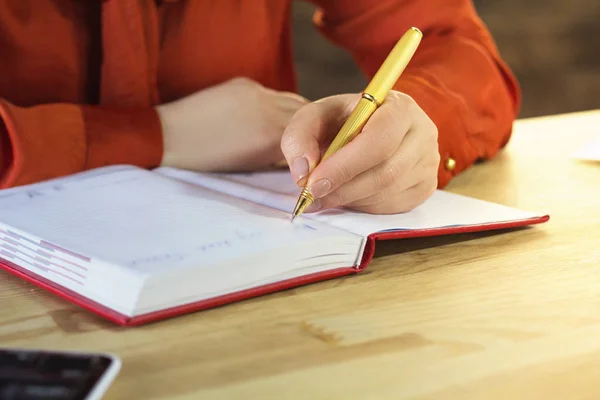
[311, 130]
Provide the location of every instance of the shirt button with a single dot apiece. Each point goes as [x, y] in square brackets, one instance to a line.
[450, 164]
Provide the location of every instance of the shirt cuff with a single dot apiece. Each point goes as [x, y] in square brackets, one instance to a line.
[48, 141]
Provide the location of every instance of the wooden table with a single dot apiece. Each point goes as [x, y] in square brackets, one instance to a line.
[508, 315]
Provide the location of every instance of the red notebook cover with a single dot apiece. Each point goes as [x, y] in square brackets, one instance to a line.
[369, 251]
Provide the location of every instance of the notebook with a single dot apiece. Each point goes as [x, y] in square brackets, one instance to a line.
[137, 246]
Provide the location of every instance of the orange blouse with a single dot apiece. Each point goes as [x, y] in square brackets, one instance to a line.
[79, 78]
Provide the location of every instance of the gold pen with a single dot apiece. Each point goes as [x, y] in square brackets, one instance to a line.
[372, 97]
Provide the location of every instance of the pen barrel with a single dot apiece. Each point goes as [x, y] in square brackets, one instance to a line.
[353, 125]
[394, 64]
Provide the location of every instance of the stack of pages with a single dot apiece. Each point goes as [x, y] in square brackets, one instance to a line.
[137, 246]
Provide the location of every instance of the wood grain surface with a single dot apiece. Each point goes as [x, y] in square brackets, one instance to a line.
[505, 315]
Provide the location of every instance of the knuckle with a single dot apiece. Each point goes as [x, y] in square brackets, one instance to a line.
[381, 141]
[334, 199]
[288, 137]
[342, 174]
[384, 136]
[433, 185]
[435, 163]
[409, 203]
[387, 176]
[426, 189]
[247, 89]
[431, 130]
[403, 100]
[413, 110]
[432, 188]
[372, 202]
[404, 162]
[381, 207]
[289, 146]
[363, 208]
[369, 209]
[379, 198]
[302, 117]
[396, 114]
[339, 199]
[242, 81]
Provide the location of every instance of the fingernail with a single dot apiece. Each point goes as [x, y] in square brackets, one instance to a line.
[299, 168]
[314, 206]
[320, 188]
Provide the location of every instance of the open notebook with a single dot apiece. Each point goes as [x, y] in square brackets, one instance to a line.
[136, 246]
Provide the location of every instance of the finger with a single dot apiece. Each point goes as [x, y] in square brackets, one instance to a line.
[310, 127]
[365, 189]
[417, 159]
[384, 203]
[379, 140]
[398, 171]
[425, 170]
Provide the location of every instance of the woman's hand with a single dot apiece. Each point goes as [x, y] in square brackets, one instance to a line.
[233, 126]
[390, 167]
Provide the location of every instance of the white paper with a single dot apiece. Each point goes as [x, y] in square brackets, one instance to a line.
[589, 152]
[146, 222]
[277, 189]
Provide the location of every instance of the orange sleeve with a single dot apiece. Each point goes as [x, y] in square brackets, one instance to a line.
[52, 140]
[457, 76]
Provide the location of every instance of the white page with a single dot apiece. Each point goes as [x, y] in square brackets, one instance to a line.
[589, 152]
[147, 223]
[81, 181]
[277, 189]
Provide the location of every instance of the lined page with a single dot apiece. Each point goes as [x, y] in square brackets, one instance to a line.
[272, 189]
[148, 223]
[81, 181]
[277, 189]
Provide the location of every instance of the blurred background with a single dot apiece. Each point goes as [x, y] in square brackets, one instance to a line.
[553, 47]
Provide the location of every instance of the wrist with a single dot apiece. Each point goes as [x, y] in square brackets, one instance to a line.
[163, 113]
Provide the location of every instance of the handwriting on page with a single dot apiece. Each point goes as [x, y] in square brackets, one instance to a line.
[147, 222]
[229, 243]
[24, 194]
[81, 181]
